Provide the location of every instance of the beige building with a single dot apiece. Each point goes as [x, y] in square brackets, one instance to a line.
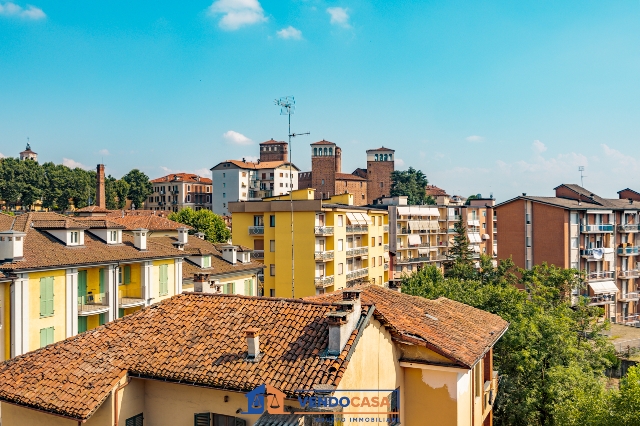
[179, 190]
[208, 359]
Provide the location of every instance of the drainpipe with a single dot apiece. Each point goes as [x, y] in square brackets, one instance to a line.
[115, 416]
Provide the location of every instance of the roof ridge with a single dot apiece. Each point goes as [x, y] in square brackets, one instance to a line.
[242, 296]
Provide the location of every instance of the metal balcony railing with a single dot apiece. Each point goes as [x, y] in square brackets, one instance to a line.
[358, 273]
[599, 275]
[323, 255]
[632, 295]
[94, 303]
[628, 251]
[602, 299]
[323, 282]
[630, 273]
[257, 254]
[603, 227]
[589, 253]
[454, 217]
[630, 227]
[324, 230]
[358, 229]
[256, 230]
[386, 247]
[385, 228]
[357, 251]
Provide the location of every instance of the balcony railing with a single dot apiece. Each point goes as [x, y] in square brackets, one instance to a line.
[386, 247]
[414, 259]
[358, 273]
[630, 227]
[603, 227]
[632, 295]
[403, 231]
[324, 230]
[358, 229]
[256, 230]
[323, 282]
[599, 253]
[128, 297]
[628, 251]
[386, 266]
[599, 275]
[357, 251]
[489, 394]
[323, 255]
[454, 217]
[92, 304]
[385, 228]
[602, 299]
[631, 273]
[257, 254]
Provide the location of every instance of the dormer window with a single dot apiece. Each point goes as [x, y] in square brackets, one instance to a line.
[113, 236]
[74, 237]
[206, 261]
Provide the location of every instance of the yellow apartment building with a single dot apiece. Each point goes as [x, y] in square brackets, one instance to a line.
[331, 243]
[64, 276]
[389, 358]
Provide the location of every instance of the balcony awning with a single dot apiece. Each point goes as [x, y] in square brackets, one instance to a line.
[485, 236]
[423, 250]
[414, 239]
[386, 255]
[601, 287]
[418, 211]
[599, 212]
[475, 249]
[358, 218]
[422, 225]
[475, 222]
[474, 237]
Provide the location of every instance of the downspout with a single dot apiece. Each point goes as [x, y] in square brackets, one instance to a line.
[115, 411]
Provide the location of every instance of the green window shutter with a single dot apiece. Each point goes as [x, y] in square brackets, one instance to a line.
[46, 296]
[164, 277]
[50, 296]
[127, 274]
[43, 302]
[202, 419]
[43, 337]
[101, 275]
[82, 285]
[102, 319]
[120, 312]
[49, 335]
[82, 324]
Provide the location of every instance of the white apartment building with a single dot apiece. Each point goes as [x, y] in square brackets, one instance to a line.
[179, 190]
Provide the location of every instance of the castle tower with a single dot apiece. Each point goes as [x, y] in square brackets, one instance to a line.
[273, 150]
[323, 168]
[380, 165]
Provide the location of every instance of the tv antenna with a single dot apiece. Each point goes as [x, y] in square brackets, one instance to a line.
[581, 169]
[287, 106]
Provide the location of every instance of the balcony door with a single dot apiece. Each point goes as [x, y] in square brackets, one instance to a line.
[320, 270]
[320, 220]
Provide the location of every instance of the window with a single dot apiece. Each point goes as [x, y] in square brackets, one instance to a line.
[224, 205]
[323, 181]
[272, 292]
[224, 195]
[272, 246]
[380, 240]
[206, 261]
[272, 270]
[134, 421]
[574, 242]
[281, 174]
[281, 185]
[272, 220]
[379, 260]
[74, 237]
[528, 241]
[244, 174]
[575, 265]
[224, 185]
[230, 288]
[340, 245]
[373, 241]
[340, 220]
[114, 236]
[373, 261]
[46, 336]
[340, 268]
[381, 184]
[46, 296]
[188, 198]
[484, 226]
[164, 280]
[363, 196]
[248, 287]
[373, 280]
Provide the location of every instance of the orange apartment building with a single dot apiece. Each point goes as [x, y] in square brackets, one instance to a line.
[579, 229]
[366, 185]
[179, 190]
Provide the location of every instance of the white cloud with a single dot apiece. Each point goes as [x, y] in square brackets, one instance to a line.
[399, 162]
[2, 155]
[104, 152]
[539, 147]
[475, 138]
[12, 9]
[339, 16]
[73, 164]
[290, 32]
[237, 13]
[236, 138]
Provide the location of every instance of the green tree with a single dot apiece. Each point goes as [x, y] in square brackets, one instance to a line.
[411, 183]
[460, 255]
[116, 192]
[205, 221]
[139, 187]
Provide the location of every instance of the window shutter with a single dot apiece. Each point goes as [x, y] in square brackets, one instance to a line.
[240, 422]
[101, 276]
[43, 300]
[50, 335]
[135, 420]
[82, 324]
[202, 419]
[50, 294]
[164, 287]
[127, 274]
[43, 337]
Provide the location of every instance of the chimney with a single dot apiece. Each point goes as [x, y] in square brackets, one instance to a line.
[100, 197]
[200, 283]
[343, 321]
[11, 245]
[199, 235]
[230, 254]
[253, 344]
[140, 238]
[338, 160]
[183, 235]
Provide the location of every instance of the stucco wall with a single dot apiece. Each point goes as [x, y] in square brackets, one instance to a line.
[58, 319]
[431, 396]
[13, 415]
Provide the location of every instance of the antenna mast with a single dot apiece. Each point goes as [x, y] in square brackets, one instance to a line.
[287, 106]
[581, 169]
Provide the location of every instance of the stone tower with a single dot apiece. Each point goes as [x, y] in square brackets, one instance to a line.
[273, 150]
[323, 168]
[380, 165]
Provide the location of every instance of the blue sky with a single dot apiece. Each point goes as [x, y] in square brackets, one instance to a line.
[484, 97]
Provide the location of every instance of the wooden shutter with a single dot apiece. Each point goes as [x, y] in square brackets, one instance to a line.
[101, 275]
[82, 285]
[240, 422]
[135, 420]
[50, 331]
[82, 324]
[164, 285]
[202, 419]
[127, 274]
[46, 296]
[43, 337]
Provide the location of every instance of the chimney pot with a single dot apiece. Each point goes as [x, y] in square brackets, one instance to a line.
[252, 334]
[140, 238]
[183, 235]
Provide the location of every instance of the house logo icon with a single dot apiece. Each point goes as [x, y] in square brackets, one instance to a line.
[265, 398]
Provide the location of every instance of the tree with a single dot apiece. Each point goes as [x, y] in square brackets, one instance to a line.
[116, 192]
[461, 260]
[139, 187]
[411, 183]
[205, 221]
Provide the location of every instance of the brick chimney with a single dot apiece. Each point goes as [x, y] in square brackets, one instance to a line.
[343, 321]
[338, 160]
[201, 283]
[100, 196]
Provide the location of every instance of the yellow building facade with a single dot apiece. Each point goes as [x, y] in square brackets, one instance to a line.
[332, 244]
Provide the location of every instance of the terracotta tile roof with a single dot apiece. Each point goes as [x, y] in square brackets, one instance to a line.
[381, 149]
[150, 222]
[99, 223]
[182, 177]
[360, 172]
[272, 142]
[261, 165]
[461, 333]
[323, 142]
[42, 250]
[630, 190]
[592, 197]
[123, 213]
[434, 190]
[347, 176]
[4, 277]
[92, 209]
[190, 338]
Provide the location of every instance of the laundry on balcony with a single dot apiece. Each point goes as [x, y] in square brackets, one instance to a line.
[414, 240]
[424, 250]
[603, 287]
[598, 253]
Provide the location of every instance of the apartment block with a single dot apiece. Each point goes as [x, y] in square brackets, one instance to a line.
[423, 235]
[206, 359]
[180, 190]
[579, 229]
[332, 243]
[240, 180]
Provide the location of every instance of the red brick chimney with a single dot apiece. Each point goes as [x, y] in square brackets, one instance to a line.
[100, 197]
[338, 160]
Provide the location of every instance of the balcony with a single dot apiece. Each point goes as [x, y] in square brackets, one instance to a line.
[256, 230]
[403, 231]
[358, 273]
[597, 229]
[489, 394]
[324, 230]
[324, 255]
[358, 229]
[454, 217]
[130, 296]
[419, 259]
[602, 299]
[257, 254]
[626, 297]
[386, 247]
[386, 266]
[595, 253]
[599, 275]
[357, 251]
[630, 227]
[385, 228]
[628, 251]
[93, 304]
[324, 281]
[631, 273]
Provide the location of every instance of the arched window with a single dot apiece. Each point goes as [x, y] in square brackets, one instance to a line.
[385, 157]
[325, 151]
[390, 157]
[330, 151]
[315, 152]
[376, 157]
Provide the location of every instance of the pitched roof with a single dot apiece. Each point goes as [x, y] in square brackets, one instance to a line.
[99, 223]
[381, 149]
[360, 172]
[92, 209]
[630, 190]
[43, 250]
[323, 142]
[150, 222]
[190, 338]
[434, 190]
[257, 166]
[272, 142]
[566, 203]
[590, 196]
[182, 177]
[461, 333]
[347, 176]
